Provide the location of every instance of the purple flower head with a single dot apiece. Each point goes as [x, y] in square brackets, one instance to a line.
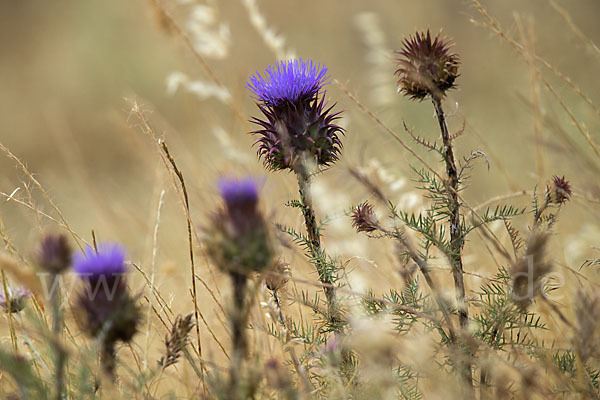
[108, 261]
[238, 238]
[288, 82]
[239, 193]
[299, 126]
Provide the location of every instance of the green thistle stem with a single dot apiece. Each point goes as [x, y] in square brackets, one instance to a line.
[456, 231]
[326, 277]
[57, 327]
[238, 318]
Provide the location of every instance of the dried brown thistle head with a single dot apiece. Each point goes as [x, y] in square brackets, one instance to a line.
[426, 66]
[364, 218]
[278, 276]
[558, 190]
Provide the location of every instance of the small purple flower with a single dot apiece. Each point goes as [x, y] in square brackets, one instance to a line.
[104, 308]
[288, 81]
[239, 193]
[238, 236]
[108, 261]
[298, 125]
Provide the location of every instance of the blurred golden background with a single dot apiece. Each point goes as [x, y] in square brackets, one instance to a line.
[70, 72]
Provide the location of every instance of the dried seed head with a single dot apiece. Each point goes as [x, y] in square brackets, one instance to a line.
[176, 340]
[54, 255]
[364, 218]
[426, 66]
[278, 276]
[558, 190]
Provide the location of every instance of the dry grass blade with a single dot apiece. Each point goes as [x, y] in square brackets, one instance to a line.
[29, 175]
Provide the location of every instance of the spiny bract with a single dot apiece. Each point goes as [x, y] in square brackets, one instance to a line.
[299, 127]
[426, 66]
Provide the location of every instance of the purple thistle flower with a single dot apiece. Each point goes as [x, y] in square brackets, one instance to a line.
[105, 309]
[108, 261]
[288, 81]
[239, 193]
[238, 236]
[299, 126]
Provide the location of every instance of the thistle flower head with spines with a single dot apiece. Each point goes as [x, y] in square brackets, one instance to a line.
[364, 218]
[238, 238]
[107, 309]
[558, 191]
[298, 126]
[426, 66]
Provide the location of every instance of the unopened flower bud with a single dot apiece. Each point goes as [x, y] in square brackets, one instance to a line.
[14, 301]
[54, 255]
[364, 218]
[558, 191]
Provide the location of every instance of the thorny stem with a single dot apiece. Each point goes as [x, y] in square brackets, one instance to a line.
[238, 319]
[57, 327]
[456, 236]
[300, 370]
[325, 277]
[108, 357]
[278, 304]
[424, 268]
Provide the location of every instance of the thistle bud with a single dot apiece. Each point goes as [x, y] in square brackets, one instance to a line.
[54, 255]
[13, 300]
[426, 66]
[105, 302]
[558, 190]
[238, 238]
[364, 218]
